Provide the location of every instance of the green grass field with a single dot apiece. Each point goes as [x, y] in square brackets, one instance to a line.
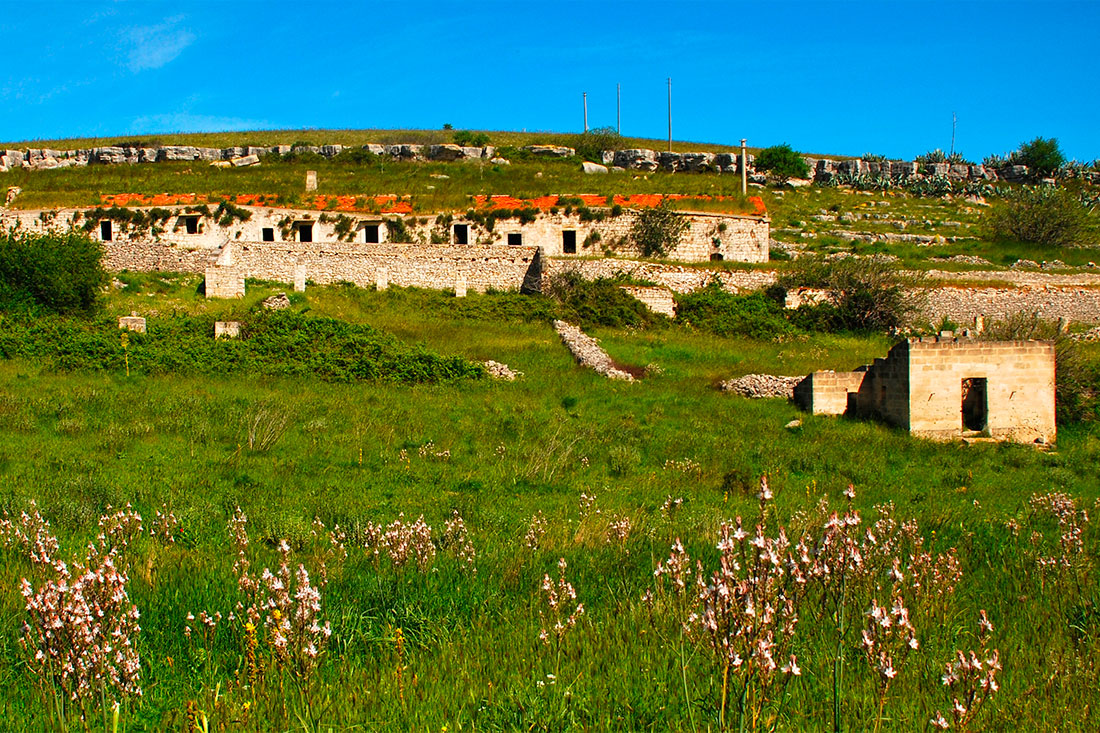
[454, 649]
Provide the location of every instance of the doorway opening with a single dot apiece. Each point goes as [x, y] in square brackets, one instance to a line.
[975, 406]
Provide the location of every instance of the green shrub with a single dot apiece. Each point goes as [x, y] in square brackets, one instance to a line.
[1046, 215]
[782, 162]
[719, 312]
[590, 145]
[471, 139]
[657, 231]
[1042, 156]
[600, 302]
[863, 294]
[55, 272]
[276, 344]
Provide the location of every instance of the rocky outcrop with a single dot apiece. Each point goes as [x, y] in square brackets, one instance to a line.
[551, 151]
[758, 386]
[638, 159]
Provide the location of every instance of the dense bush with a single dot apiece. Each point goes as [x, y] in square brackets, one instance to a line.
[658, 230]
[62, 273]
[471, 139]
[1042, 156]
[863, 294]
[600, 302]
[782, 163]
[590, 145]
[725, 314]
[276, 344]
[1047, 215]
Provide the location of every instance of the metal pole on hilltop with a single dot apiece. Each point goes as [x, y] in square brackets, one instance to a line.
[619, 109]
[586, 111]
[670, 114]
[744, 168]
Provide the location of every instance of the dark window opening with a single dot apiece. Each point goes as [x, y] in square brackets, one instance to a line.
[305, 232]
[191, 224]
[370, 234]
[716, 257]
[268, 234]
[105, 231]
[974, 404]
[462, 234]
[569, 242]
[515, 239]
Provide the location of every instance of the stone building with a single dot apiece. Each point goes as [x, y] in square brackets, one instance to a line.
[945, 387]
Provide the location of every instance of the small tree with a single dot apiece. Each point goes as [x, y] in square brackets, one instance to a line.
[1042, 156]
[591, 144]
[657, 231]
[863, 294]
[782, 163]
[471, 139]
[54, 271]
[1046, 215]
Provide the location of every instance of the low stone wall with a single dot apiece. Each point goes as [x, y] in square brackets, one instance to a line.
[677, 278]
[586, 350]
[406, 265]
[1077, 304]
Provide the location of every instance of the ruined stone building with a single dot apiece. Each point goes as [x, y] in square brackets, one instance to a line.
[945, 387]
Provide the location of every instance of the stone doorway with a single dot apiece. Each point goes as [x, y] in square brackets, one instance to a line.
[975, 407]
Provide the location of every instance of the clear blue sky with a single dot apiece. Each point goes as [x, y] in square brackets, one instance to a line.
[826, 77]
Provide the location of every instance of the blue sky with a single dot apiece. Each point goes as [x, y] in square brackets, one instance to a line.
[826, 77]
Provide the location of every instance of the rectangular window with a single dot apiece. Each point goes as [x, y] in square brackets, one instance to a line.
[305, 232]
[462, 234]
[105, 230]
[268, 234]
[370, 234]
[569, 242]
[515, 239]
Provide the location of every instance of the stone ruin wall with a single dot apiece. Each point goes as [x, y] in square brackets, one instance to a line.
[636, 159]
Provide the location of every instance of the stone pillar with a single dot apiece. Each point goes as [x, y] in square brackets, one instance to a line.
[311, 180]
[979, 324]
[227, 329]
[132, 322]
[299, 278]
[382, 278]
[460, 285]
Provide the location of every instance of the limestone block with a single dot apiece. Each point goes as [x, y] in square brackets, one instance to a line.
[636, 159]
[132, 323]
[227, 329]
[445, 152]
[375, 149]
[382, 278]
[331, 151]
[460, 285]
[670, 161]
[551, 151]
[594, 168]
[311, 180]
[245, 160]
[697, 162]
[472, 153]
[177, 152]
[299, 278]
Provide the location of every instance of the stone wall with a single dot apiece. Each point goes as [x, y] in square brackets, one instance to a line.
[406, 265]
[658, 300]
[826, 393]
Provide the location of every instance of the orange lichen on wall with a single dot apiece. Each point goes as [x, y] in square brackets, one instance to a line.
[391, 204]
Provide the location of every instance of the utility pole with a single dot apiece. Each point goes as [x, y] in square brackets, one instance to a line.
[586, 112]
[670, 114]
[619, 109]
[954, 121]
[744, 168]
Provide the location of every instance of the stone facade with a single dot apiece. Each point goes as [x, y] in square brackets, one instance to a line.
[945, 387]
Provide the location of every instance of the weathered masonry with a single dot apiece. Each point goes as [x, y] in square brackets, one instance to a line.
[946, 387]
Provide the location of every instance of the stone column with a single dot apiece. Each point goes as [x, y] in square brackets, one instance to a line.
[299, 278]
[382, 278]
[311, 180]
[744, 168]
[460, 285]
